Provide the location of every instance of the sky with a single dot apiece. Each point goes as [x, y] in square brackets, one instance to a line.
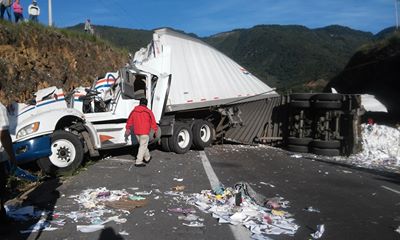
[208, 17]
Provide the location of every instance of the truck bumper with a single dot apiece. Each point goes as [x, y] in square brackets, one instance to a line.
[32, 149]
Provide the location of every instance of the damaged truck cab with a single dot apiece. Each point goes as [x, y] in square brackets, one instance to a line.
[57, 129]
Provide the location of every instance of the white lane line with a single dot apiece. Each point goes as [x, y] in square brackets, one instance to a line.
[113, 159]
[239, 232]
[391, 189]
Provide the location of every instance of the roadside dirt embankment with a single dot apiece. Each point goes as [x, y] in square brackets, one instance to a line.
[34, 56]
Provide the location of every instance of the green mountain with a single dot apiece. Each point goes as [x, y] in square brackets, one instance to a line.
[288, 57]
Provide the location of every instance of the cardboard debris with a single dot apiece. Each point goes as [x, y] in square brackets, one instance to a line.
[126, 204]
[178, 188]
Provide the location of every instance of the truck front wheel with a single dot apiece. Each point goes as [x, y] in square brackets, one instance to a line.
[66, 154]
[181, 141]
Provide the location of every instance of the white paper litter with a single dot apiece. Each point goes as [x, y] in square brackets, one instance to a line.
[258, 219]
[178, 179]
[320, 231]
[89, 228]
[381, 147]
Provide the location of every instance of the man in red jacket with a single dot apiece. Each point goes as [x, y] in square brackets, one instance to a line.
[142, 120]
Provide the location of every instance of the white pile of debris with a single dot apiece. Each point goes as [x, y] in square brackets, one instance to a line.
[380, 148]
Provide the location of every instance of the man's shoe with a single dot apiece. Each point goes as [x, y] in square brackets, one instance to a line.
[140, 165]
[147, 161]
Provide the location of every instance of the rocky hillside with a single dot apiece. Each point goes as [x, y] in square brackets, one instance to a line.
[34, 56]
[374, 69]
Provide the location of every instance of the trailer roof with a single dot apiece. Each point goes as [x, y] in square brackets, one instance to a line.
[201, 75]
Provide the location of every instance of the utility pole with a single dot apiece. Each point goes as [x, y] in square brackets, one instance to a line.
[396, 7]
[50, 14]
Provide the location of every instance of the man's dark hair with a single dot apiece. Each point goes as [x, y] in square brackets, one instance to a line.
[143, 101]
[1, 85]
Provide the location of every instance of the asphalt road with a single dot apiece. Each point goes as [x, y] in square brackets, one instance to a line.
[353, 204]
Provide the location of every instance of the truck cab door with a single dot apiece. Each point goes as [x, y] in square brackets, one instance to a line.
[160, 96]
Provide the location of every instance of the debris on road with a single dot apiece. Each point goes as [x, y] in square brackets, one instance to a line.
[320, 231]
[41, 225]
[267, 184]
[251, 212]
[178, 188]
[311, 209]
[178, 179]
[89, 228]
[296, 156]
[380, 148]
[194, 224]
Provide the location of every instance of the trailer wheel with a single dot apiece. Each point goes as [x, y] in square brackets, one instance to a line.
[165, 144]
[299, 141]
[181, 141]
[297, 148]
[300, 100]
[332, 144]
[203, 134]
[66, 156]
[325, 152]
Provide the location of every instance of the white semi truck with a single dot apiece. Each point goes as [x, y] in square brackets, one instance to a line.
[191, 87]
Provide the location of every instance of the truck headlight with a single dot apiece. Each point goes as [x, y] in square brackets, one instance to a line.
[31, 128]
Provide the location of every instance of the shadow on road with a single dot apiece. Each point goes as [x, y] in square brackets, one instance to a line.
[43, 197]
[109, 233]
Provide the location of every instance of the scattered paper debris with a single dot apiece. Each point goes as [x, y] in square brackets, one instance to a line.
[178, 179]
[89, 228]
[311, 209]
[194, 224]
[123, 233]
[178, 188]
[267, 184]
[259, 219]
[320, 231]
[296, 156]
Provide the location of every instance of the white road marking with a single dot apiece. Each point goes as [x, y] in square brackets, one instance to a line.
[120, 160]
[391, 189]
[239, 232]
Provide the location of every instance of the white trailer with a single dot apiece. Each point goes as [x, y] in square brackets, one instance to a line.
[191, 87]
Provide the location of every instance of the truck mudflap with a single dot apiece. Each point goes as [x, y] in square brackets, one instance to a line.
[32, 149]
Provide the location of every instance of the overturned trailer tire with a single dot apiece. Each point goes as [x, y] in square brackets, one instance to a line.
[66, 154]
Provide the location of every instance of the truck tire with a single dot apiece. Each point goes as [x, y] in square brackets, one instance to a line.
[332, 144]
[165, 144]
[325, 152]
[299, 141]
[300, 104]
[181, 141]
[203, 134]
[328, 97]
[297, 148]
[300, 100]
[301, 96]
[327, 101]
[67, 154]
